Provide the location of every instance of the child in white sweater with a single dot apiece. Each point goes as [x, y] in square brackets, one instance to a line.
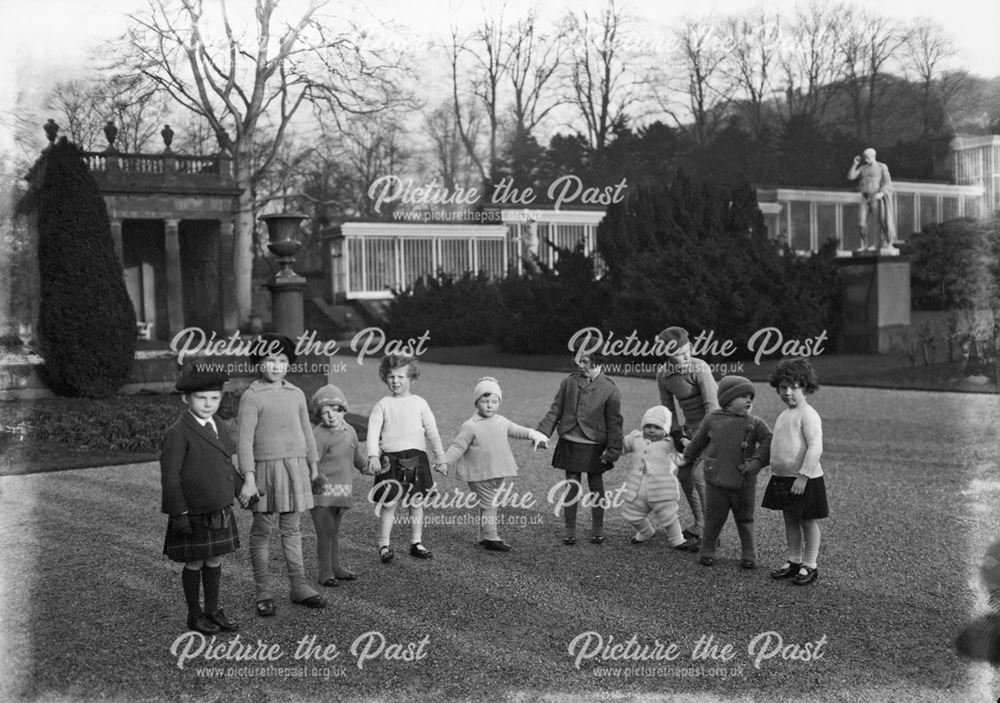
[651, 486]
[400, 427]
[796, 487]
[483, 448]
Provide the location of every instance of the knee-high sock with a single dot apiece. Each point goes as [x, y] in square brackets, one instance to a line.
[338, 568]
[323, 521]
[416, 523]
[810, 551]
[596, 484]
[793, 537]
[385, 519]
[211, 578]
[191, 581]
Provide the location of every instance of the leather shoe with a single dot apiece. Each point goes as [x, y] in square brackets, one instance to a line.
[569, 541]
[597, 539]
[346, 576]
[220, 619]
[495, 545]
[803, 579]
[692, 544]
[200, 623]
[265, 608]
[386, 554]
[419, 551]
[311, 602]
[706, 561]
[786, 572]
[748, 564]
[331, 582]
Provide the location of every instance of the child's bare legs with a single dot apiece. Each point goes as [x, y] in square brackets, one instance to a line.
[810, 547]
[793, 538]
[692, 480]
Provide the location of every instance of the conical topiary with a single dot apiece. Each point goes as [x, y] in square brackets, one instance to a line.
[86, 324]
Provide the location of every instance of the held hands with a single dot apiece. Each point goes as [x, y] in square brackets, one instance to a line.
[180, 525]
[799, 485]
[538, 440]
[677, 436]
[441, 468]
[248, 493]
[750, 468]
[374, 466]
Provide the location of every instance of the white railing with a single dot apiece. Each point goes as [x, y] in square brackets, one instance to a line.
[378, 258]
[805, 218]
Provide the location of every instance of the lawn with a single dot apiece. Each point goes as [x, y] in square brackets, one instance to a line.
[91, 609]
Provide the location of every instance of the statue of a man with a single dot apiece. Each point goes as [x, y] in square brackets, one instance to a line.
[878, 209]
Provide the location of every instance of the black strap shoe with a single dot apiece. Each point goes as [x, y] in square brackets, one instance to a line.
[787, 571]
[419, 551]
[495, 545]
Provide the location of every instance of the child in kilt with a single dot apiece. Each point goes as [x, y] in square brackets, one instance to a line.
[198, 481]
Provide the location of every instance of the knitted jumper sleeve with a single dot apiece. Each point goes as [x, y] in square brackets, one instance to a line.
[246, 428]
[312, 455]
[812, 433]
[375, 421]
[431, 433]
[460, 444]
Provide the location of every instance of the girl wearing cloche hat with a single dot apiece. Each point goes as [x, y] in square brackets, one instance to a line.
[339, 451]
[486, 462]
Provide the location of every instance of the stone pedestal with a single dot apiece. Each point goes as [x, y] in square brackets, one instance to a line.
[876, 305]
[287, 305]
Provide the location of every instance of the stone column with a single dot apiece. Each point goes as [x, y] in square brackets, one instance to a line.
[287, 287]
[175, 291]
[227, 279]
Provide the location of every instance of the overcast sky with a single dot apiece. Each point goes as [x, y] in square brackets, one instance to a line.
[42, 40]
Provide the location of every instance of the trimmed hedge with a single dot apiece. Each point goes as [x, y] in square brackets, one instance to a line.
[86, 326]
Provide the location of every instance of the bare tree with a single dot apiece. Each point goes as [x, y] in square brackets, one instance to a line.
[452, 162]
[809, 62]
[866, 45]
[929, 62]
[751, 63]
[705, 88]
[241, 83]
[478, 67]
[77, 108]
[601, 88]
[534, 62]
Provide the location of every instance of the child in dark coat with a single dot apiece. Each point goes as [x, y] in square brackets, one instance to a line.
[735, 446]
[198, 481]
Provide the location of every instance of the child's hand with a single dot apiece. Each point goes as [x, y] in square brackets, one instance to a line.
[248, 491]
[799, 485]
[750, 468]
[538, 440]
[313, 470]
[374, 466]
[441, 469]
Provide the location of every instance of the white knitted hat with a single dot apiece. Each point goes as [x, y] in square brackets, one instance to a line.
[657, 415]
[487, 384]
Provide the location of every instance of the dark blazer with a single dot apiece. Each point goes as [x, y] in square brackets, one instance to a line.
[595, 405]
[196, 468]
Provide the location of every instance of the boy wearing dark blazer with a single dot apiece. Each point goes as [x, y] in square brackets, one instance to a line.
[198, 481]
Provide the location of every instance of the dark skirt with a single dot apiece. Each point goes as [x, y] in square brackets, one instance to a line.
[204, 541]
[577, 457]
[810, 505]
[409, 474]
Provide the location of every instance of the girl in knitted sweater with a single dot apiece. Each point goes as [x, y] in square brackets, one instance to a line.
[277, 457]
[796, 487]
[400, 428]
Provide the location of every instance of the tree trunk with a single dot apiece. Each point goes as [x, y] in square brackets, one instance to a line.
[244, 228]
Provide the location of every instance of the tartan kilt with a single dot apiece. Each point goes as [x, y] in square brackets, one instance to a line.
[203, 542]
